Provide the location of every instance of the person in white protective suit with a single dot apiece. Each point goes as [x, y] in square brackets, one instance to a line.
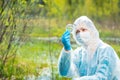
[93, 60]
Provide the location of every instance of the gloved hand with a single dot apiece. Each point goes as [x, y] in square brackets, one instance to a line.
[66, 40]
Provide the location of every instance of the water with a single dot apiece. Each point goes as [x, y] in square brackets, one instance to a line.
[57, 39]
[45, 74]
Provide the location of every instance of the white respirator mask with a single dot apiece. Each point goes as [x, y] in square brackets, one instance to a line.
[83, 37]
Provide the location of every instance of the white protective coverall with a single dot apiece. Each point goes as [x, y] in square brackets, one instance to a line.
[93, 60]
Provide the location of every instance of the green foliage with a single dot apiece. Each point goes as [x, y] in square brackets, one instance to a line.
[9, 31]
[97, 9]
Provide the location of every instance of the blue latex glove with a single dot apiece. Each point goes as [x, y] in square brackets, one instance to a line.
[66, 40]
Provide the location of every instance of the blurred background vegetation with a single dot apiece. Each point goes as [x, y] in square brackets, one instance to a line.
[30, 32]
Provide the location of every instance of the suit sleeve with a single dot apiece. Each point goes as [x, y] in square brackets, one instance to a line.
[66, 66]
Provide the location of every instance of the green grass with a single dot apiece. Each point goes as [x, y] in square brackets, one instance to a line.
[109, 33]
[34, 55]
[116, 48]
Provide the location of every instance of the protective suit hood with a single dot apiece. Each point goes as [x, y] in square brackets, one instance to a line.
[84, 21]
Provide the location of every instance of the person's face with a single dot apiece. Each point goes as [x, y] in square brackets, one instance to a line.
[82, 35]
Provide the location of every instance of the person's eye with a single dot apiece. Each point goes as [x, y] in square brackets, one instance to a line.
[84, 30]
[77, 31]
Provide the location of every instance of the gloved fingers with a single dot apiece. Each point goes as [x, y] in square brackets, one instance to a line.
[66, 33]
[67, 37]
[65, 40]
